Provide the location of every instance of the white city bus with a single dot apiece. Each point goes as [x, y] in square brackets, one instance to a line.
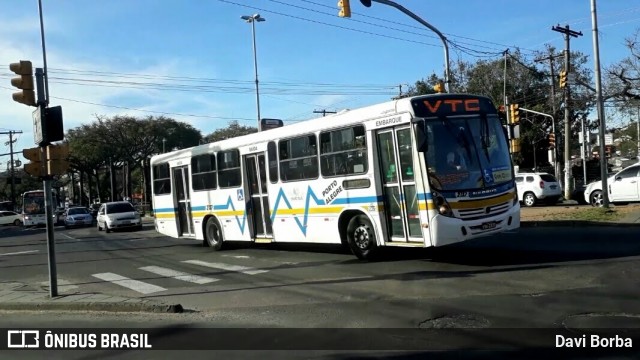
[33, 207]
[367, 178]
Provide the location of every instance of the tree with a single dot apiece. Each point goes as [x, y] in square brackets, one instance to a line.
[623, 79]
[233, 130]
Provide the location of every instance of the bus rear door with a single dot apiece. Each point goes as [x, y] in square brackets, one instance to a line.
[258, 198]
[182, 201]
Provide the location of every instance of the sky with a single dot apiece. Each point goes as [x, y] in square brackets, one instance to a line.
[193, 60]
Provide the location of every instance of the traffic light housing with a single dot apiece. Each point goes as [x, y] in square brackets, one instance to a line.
[552, 141]
[56, 160]
[27, 96]
[439, 87]
[34, 168]
[515, 145]
[514, 114]
[345, 8]
[563, 79]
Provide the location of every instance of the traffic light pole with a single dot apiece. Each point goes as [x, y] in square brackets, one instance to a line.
[553, 131]
[46, 184]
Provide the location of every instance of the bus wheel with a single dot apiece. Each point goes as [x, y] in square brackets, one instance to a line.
[213, 234]
[361, 237]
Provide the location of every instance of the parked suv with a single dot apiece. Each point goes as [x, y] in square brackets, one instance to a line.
[533, 187]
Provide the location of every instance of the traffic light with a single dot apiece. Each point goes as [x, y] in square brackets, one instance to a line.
[515, 146]
[563, 79]
[439, 87]
[552, 141]
[514, 114]
[25, 82]
[345, 8]
[57, 159]
[34, 168]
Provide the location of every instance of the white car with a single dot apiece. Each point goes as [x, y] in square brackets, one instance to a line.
[533, 187]
[10, 218]
[624, 186]
[77, 216]
[118, 215]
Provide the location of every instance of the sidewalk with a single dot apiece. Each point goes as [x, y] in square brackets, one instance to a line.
[534, 217]
[19, 296]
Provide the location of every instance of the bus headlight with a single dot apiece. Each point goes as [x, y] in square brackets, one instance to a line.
[442, 205]
[515, 198]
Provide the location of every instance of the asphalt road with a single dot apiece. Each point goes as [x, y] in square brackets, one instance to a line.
[553, 278]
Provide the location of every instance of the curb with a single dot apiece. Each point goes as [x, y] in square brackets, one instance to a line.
[109, 307]
[575, 223]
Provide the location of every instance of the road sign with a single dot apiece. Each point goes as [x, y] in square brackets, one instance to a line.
[38, 137]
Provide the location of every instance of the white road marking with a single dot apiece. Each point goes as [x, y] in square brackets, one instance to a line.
[228, 267]
[69, 237]
[178, 275]
[20, 252]
[238, 256]
[135, 285]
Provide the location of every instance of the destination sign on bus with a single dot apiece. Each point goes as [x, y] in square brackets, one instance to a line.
[429, 106]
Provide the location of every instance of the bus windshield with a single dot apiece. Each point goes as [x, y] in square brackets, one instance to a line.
[466, 152]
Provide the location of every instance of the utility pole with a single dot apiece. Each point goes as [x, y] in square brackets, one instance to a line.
[568, 186]
[638, 127]
[323, 112]
[13, 180]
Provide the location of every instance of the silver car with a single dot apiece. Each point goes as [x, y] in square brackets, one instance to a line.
[118, 215]
[77, 216]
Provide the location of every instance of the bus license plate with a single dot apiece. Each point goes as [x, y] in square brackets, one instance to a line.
[489, 225]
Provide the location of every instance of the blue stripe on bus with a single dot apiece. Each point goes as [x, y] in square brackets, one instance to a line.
[302, 225]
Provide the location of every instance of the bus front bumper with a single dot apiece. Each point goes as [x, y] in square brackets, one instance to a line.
[447, 230]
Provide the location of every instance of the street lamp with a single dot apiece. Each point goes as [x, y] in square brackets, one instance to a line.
[415, 17]
[252, 20]
[164, 141]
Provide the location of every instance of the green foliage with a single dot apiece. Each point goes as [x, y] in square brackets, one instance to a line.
[233, 130]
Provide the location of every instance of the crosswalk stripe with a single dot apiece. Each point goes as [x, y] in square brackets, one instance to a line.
[228, 267]
[178, 275]
[135, 285]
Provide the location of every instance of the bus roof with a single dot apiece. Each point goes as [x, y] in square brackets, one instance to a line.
[342, 118]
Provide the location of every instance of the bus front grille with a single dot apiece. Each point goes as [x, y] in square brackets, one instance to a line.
[483, 212]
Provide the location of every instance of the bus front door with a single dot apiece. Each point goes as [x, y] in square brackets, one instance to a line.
[258, 204]
[399, 187]
[182, 201]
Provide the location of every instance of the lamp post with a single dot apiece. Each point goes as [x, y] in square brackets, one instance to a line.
[415, 17]
[252, 20]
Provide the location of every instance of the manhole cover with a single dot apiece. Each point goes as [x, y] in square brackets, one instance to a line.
[456, 321]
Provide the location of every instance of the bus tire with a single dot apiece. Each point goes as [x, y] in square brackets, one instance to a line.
[362, 238]
[213, 234]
